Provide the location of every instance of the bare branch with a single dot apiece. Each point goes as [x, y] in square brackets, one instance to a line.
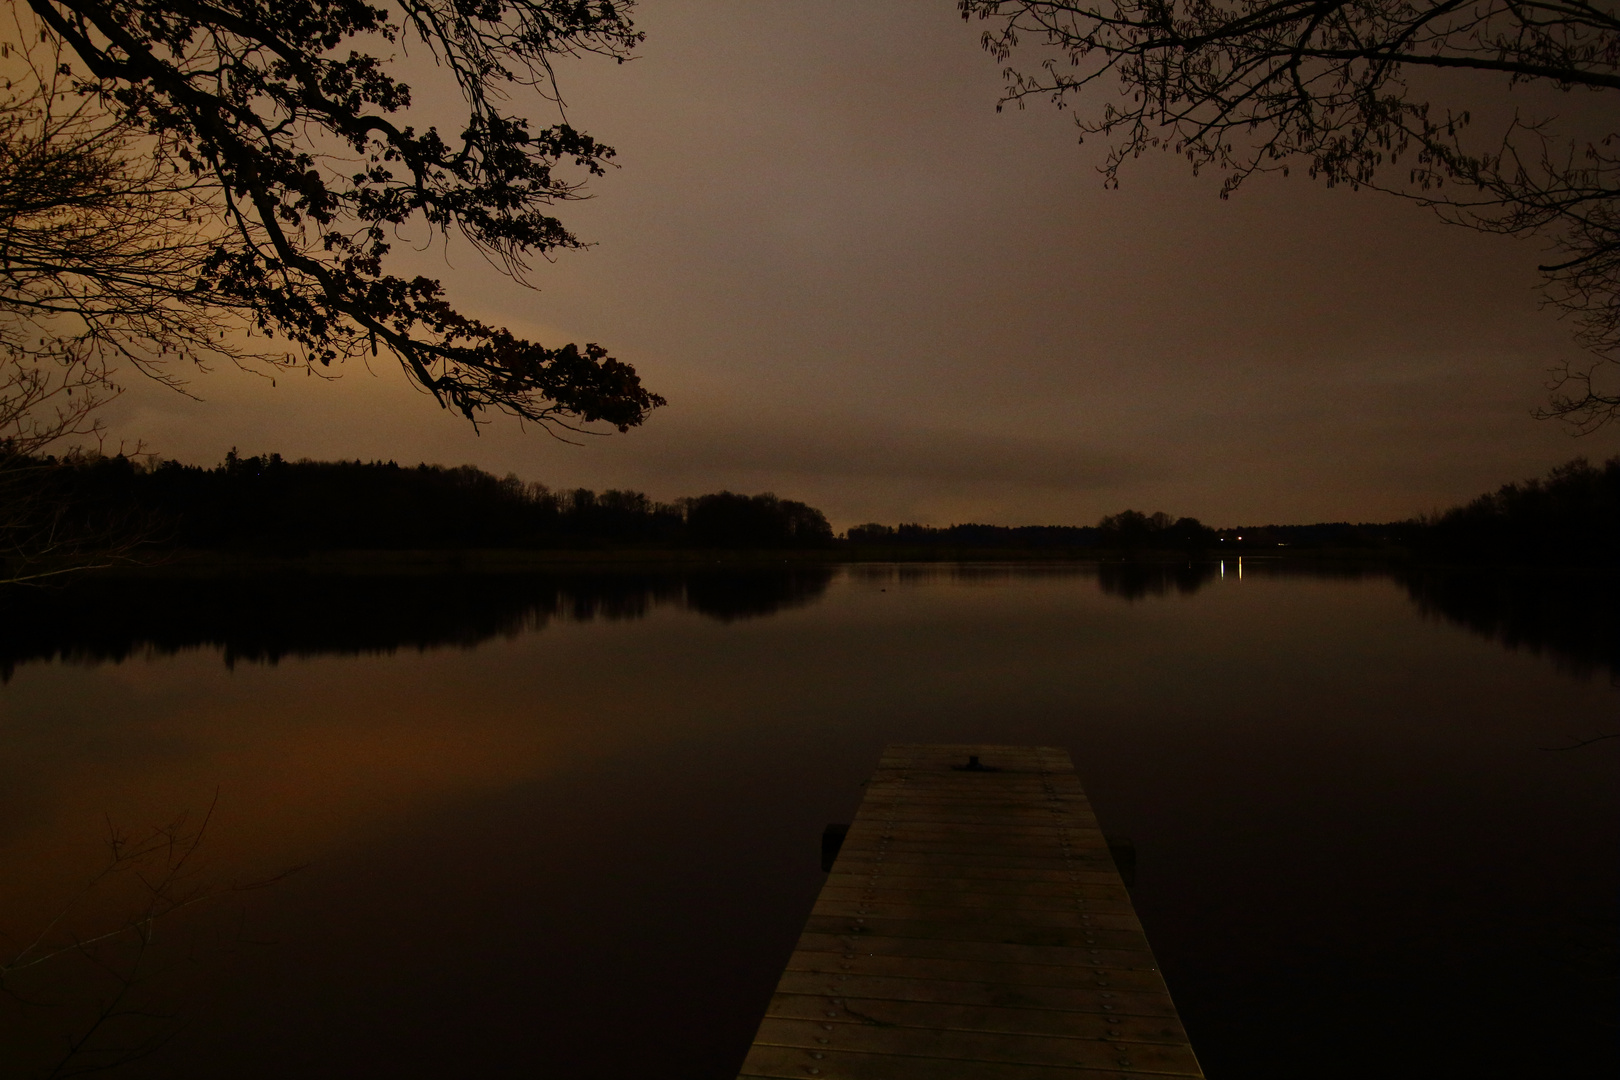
[1252, 86]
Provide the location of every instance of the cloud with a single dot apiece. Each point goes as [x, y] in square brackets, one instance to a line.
[849, 450]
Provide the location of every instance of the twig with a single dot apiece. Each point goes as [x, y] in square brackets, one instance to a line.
[1583, 742]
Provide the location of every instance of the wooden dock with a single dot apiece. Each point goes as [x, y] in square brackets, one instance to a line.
[973, 926]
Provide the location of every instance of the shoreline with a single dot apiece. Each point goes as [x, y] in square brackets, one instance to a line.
[193, 564]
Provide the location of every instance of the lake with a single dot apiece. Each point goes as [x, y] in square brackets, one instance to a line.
[569, 824]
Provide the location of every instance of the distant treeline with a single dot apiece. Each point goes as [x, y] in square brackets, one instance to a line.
[268, 504]
[1133, 531]
[1127, 531]
[1570, 517]
[1322, 536]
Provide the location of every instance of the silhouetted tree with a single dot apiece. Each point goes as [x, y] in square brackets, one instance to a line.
[55, 519]
[1189, 534]
[100, 248]
[726, 519]
[1338, 88]
[266, 505]
[871, 533]
[1131, 529]
[1570, 518]
[293, 143]
[99, 251]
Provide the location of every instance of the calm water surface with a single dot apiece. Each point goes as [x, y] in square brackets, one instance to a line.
[570, 826]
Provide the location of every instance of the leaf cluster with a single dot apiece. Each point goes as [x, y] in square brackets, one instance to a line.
[293, 117]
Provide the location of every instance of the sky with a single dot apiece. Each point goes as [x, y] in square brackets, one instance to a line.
[860, 286]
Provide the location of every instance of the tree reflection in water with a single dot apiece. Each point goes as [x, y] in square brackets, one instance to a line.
[1573, 618]
[561, 839]
[263, 619]
[1138, 581]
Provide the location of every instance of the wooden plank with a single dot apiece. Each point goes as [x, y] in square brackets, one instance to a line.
[973, 925]
[948, 893]
[984, 982]
[992, 1048]
[967, 951]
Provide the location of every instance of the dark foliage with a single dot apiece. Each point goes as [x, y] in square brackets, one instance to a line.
[1133, 530]
[291, 121]
[758, 521]
[270, 506]
[56, 520]
[1570, 518]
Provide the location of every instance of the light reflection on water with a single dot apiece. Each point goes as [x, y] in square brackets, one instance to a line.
[571, 823]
